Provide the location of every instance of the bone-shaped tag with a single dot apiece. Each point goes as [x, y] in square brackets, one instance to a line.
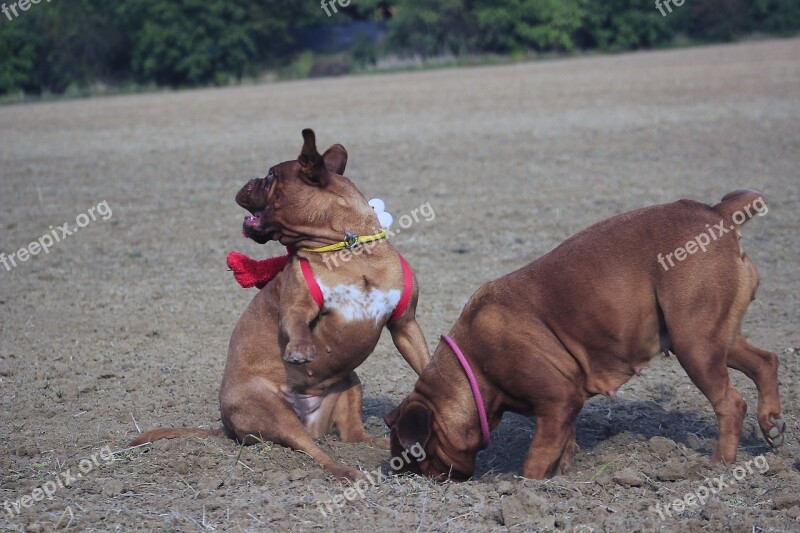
[384, 217]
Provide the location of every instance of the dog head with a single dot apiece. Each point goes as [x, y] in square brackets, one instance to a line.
[419, 447]
[307, 199]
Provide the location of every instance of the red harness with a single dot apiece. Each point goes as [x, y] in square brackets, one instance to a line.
[408, 288]
[252, 273]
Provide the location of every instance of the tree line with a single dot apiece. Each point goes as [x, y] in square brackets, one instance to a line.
[57, 44]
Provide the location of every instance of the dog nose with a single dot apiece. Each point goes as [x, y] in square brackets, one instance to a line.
[244, 193]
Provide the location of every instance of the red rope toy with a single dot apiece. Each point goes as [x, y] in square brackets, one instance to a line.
[253, 273]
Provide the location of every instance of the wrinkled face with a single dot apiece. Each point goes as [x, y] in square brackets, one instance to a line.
[411, 426]
[275, 201]
[291, 193]
[254, 197]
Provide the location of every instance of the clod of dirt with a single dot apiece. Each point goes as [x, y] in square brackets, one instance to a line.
[504, 488]
[26, 450]
[627, 477]
[794, 512]
[211, 484]
[113, 487]
[776, 466]
[522, 506]
[546, 523]
[672, 471]
[604, 479]
[785, 502]
[715, 511]
[297, 474]
[694, 442]
[661, 445]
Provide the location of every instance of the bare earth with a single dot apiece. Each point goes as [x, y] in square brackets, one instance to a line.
[129, 318]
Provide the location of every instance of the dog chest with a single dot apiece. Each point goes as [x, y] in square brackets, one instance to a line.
[356, 303]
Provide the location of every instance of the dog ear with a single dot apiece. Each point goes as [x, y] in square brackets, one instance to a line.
[392, 417]
[312, 166]
[335, 159]
[413, 427]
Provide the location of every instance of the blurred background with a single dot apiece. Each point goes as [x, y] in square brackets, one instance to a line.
[78, 47]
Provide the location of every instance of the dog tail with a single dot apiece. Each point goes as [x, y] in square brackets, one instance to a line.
[173, 433]
[742, 205]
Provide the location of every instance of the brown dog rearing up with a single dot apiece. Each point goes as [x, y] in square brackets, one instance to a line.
[289, 377]
[581, 321]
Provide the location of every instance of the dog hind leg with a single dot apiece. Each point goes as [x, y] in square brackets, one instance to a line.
[706, 365]
[761, 367]
[255, 412]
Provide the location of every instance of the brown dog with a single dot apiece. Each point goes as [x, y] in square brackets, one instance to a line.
[289, 376]
[584, 319]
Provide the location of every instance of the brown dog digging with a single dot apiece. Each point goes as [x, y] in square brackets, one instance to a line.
[585, 318]
[289, 376]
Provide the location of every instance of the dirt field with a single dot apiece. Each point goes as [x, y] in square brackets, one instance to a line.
[129, 317]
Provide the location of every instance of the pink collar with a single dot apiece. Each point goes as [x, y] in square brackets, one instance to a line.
[476, 392]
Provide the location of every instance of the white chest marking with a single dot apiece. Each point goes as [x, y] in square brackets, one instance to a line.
[354, 303]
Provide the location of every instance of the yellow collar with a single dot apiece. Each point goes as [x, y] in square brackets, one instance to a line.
[350, 241]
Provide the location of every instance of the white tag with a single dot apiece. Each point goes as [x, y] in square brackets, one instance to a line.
[384, 218]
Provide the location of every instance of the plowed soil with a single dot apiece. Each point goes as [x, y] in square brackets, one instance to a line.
[127, 320]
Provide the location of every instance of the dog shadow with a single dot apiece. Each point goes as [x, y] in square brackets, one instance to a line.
[601, 420]
[377, 406]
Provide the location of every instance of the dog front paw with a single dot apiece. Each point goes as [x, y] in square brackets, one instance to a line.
[346, 474]
[299, 352]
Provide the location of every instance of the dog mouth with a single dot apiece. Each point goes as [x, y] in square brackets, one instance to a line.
[253, 198]
[254, 228]
[253, 222]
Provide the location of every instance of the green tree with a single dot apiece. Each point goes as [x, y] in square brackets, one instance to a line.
[189, 42]
[622, 25]
[19, 49]
[53, 46]
[433, 27]
[528, 24]
[774, 16]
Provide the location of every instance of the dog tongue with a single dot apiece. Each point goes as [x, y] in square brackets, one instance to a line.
[252, 221]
